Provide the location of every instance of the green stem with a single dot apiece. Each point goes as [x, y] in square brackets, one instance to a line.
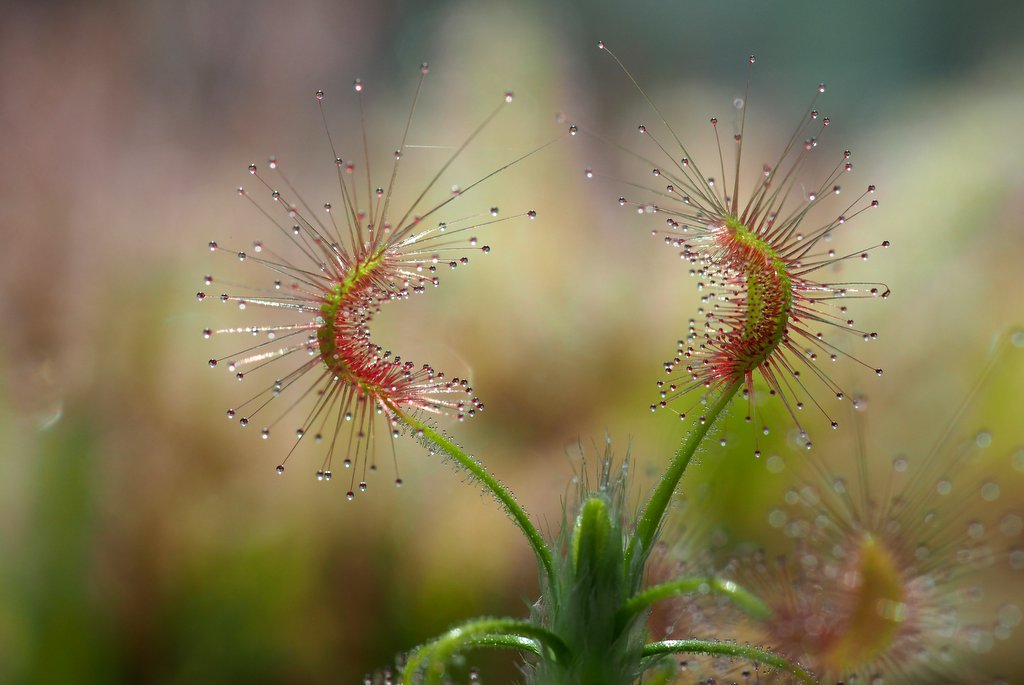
[508, 642]
[489, 632]
[654, 512]
[500, 492]
[730, 650]
[740, 596]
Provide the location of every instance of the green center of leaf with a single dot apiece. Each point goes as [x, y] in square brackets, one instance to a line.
[769, 295]
[331, 311]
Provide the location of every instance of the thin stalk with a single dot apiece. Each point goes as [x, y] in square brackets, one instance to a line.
[507, 642]
[727, 649]
[738, 595]
[491, 632]
[500, 492]
[654, 512]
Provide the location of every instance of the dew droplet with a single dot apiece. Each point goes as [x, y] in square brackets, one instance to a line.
[1018, 460]
[990, 491]
[1011, 525]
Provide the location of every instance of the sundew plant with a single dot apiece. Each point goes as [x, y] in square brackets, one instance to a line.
[756, 237]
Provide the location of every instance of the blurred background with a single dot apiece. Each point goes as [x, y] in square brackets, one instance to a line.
[143, 538]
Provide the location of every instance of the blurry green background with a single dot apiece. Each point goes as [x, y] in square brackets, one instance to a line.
[144, 539]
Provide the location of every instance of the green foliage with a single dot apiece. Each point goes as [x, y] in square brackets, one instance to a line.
[590, 625]
[592, 583]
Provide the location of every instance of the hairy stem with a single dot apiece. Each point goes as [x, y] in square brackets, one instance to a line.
[739, 596]
[519, 642]
[728, 649]
[654, 512]
[430, 659]
[500, 492]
